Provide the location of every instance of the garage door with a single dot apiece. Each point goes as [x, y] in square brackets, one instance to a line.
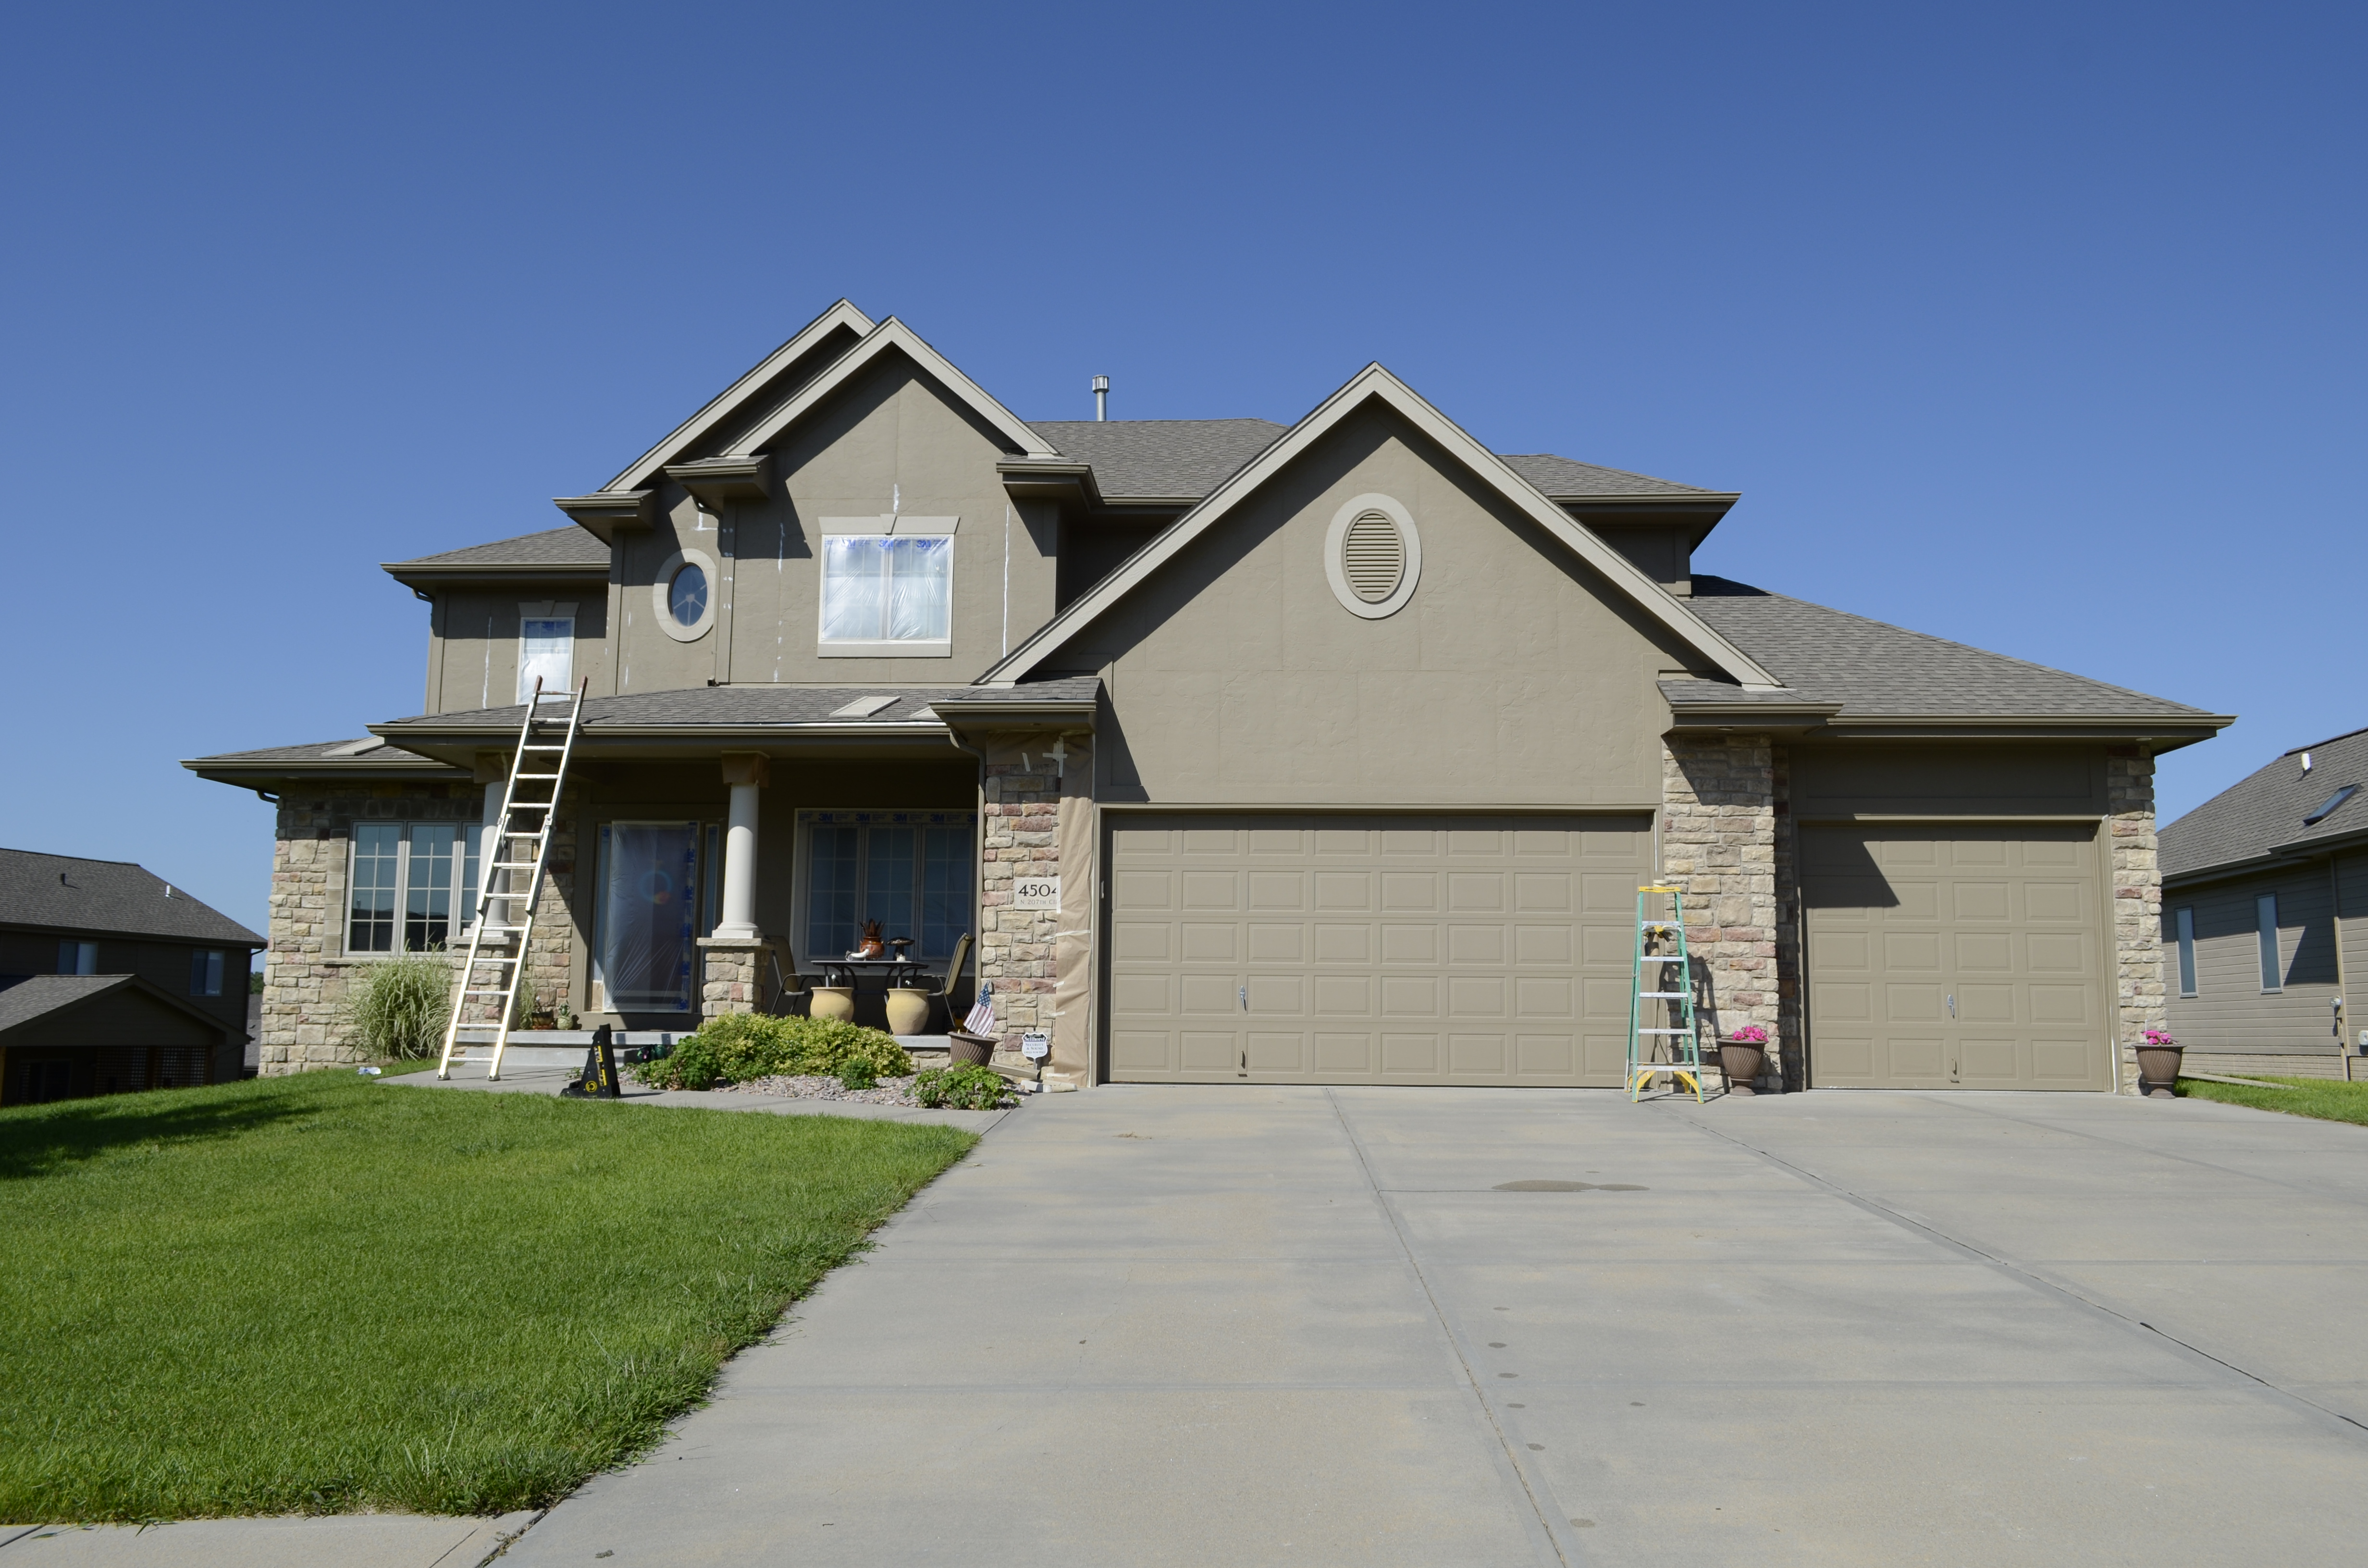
[1371, 949]
[1956, 957]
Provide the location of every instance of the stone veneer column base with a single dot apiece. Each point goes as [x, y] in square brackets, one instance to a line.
[736, 975]
[2137, 906]
[1718, 842]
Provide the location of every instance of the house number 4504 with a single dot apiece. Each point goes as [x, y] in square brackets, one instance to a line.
[1036, 893]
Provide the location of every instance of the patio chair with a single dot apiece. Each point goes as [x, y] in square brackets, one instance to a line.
[945, 993]
[793, 995]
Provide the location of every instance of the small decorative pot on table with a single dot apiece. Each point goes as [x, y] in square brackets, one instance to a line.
[2158, 1066]
[1741, 1055]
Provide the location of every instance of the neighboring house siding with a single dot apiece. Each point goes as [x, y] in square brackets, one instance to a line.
[2230, 1012]
[162, 965]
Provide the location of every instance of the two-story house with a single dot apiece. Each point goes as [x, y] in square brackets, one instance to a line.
[1328, 753]
[113, 980]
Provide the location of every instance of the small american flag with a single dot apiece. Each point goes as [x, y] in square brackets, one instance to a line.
[981, 1012]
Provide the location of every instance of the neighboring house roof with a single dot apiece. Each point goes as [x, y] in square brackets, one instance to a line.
[1375, 384]
[571, 546]
[768, 707]
[1166, 458]
[1871, 669]
[2260, 817]
[45, 995]
[69, 893]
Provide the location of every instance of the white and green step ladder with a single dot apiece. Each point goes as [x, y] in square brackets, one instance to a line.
[500, 942]
[1662, 988]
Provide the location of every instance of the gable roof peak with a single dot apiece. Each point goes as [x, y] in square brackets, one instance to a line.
[893, 334]
[1376, 381]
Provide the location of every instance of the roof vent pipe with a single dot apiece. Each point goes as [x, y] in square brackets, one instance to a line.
[2305, 762]
[1101, 397]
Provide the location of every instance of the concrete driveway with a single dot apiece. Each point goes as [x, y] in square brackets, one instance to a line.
[1259, 1325]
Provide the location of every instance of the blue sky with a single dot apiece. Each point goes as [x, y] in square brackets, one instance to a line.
[2036, 327]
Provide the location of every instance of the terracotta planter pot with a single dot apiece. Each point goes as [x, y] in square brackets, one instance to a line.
[833, 1001]
[2157, 1070]
[974, 1050]
[1742, 1064]
[907, 1011]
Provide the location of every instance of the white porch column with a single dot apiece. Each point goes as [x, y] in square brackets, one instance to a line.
[493, 772]
[747, 774]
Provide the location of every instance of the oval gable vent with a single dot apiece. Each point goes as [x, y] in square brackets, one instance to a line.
[1373, 557]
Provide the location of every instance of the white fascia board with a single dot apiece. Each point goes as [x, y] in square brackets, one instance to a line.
[893, 333]
[1374, 382]
[726, 403]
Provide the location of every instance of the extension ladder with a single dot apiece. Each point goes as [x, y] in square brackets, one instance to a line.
[1662, 983]
[521, 822]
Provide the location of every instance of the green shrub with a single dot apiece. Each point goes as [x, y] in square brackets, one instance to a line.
[741, 1046]
[396, 1007]
[857, 1076]
[967, 1087]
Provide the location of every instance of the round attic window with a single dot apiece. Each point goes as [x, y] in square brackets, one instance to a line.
[682, 595]
[1372, 556]
[687, 595]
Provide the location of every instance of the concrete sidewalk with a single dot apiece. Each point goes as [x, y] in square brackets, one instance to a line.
[346, 1540]
[1259, 1325]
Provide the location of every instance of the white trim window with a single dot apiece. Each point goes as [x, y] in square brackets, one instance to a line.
[546, 650]
[419, 879]
[887, 596]
[913, 871]
[206, 971]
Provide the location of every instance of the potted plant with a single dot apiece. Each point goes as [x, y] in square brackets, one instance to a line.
[1741, 1055]
[2158, 1065]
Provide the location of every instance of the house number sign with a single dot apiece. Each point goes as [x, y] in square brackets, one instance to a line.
[1036, 893]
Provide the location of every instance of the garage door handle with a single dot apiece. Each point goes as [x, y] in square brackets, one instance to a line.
[1246, 998]
[1952, 1005]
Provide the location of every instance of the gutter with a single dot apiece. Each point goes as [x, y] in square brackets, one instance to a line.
[2294, 852]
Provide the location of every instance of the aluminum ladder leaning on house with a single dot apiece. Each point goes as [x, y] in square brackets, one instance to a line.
[1653, 1049]
[497, 890]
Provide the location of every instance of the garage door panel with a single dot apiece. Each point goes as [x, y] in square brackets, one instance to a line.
[2005, 920]
[1408, 950]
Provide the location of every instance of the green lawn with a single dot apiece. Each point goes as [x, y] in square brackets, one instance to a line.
[2325, 1098]
[327, 1293]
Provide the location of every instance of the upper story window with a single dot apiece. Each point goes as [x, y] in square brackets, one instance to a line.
[547, 652]
[687, 595]
[418, 878]
[887, 596]
[684, 593]
[206, 971]
[77, 957]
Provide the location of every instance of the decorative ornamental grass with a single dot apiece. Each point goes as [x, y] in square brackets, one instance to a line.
[326, 1293]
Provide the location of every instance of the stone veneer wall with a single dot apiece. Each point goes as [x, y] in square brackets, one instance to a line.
[1019, 823]
[2137, 905]
[739, 976]
[305, 971]
[1791, 1060]
[1718, 841]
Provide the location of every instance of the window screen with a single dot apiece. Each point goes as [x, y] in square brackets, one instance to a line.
[2265, 914]
[2187, 952]
[77, 957]
[415, 883]
[378, 853]
[206, 971]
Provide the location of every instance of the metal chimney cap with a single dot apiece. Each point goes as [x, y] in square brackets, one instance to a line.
[1101, 383]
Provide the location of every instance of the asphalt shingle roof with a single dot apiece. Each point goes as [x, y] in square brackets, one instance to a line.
[1559, 477]
[740, 706]
[2262, 814]
[28, 999]
[368, 749]
[106, 895]
[570, 546]
[1876, 670]
[1160, 456]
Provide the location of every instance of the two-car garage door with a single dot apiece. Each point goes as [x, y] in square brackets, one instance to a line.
[1315, 948]
[1955, 957]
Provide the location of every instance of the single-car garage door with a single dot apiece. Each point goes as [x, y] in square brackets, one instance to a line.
[1956, 957]
[1321, 948]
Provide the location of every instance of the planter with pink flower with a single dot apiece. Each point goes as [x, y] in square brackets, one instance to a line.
[2158, 1065]
[1741, 1055]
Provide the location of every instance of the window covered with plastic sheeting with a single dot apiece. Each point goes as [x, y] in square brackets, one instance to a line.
[646, 955]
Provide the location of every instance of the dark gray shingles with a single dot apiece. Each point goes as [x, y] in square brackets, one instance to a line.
[740, 706]
[2263, 812]
[28, 999]
[570, 546]
[1723, 694]
[1160, 456]
[368, 749]
[1876, 670]
[1559, 477]
[106, 895]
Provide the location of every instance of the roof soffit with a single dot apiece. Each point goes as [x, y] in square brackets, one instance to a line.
[841, 318]
[1374, 383]
[889, 334]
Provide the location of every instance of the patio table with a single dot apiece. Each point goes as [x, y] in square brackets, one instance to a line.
[850, 971]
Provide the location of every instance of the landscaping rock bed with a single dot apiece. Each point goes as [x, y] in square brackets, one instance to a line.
[891, 1091]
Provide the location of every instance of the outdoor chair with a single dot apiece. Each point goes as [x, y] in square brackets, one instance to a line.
[945, 993]
[793, 995]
